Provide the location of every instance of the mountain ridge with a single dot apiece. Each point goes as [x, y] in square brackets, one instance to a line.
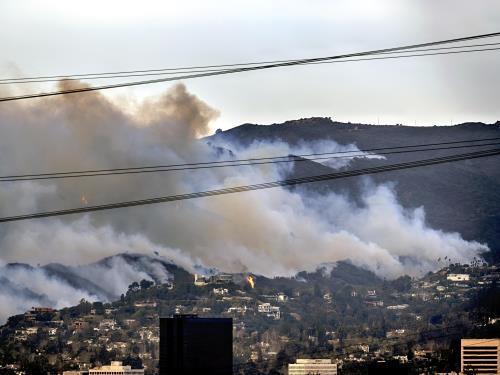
[461, 197]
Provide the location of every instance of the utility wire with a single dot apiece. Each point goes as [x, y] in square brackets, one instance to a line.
[250, 161]
[210, 73]
[213, 66]
[250, 68]
[289, 159]
[172, 71]
[260, 186]
[222, 72]
[404, 56]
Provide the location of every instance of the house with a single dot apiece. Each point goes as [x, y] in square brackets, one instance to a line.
[222, 278]
[115, 367]
[31, 330]
[281, 297]
[145, 304]
[79, 324]
[237, 310]
[107, 324]
[41, 310]
[364, 348]
[398, 307]
[220, 291]
[395, 333]
[269, 310]
[458, 277]
[401, 358]
[200, 280]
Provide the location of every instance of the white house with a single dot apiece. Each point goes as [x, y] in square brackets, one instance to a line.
[458, 277]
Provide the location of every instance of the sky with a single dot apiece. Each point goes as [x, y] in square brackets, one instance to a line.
[67, 37]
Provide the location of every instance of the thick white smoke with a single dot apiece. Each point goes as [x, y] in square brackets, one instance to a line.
[271, 232]
[58, 285]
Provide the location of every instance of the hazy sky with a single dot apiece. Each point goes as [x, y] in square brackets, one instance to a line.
[61, 37]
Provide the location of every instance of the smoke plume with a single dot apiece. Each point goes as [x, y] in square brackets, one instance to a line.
[271, 232]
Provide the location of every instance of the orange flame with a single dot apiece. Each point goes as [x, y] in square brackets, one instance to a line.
[251, 281]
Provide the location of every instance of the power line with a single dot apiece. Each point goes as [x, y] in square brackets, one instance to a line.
[210, 66]
[235, 163]
[267, 185]
[404, 56]
[222, 72]
[250, 68]
[256, 159]
[172, 71]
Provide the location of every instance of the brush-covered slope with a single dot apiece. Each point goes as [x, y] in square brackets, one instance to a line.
[461, 197]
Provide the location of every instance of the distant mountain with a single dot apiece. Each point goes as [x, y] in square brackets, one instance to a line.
[58, 285]
[83, 277]
[461, 197]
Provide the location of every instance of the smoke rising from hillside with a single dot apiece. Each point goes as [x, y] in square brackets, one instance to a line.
[56, 285]
[271, 232]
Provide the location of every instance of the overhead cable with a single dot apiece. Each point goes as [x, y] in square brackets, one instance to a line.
[239, 163]
[249, 68]
[260, 186]
[190, 70]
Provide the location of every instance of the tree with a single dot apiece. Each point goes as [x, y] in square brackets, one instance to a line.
[83, 307]
[146, 284]
[99, 308]
[134, 287]
[402, 284]
[134, 362]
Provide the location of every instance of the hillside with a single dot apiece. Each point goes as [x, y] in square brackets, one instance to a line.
[58, 285]
[331, 312]
[461, 197]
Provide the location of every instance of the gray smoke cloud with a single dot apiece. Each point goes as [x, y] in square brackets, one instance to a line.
[57, 285]
[272, 232]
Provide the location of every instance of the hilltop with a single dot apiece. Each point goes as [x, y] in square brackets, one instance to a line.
[461, 197]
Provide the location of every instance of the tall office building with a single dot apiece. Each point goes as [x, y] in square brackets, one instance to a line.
[312, 366]
[191, 345]
[480, 356]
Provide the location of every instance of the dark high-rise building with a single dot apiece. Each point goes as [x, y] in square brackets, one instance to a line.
[190, 345]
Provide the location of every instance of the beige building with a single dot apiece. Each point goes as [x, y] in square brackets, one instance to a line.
[480, 356]
[458, 277]
[312, 366]
[116, 368]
